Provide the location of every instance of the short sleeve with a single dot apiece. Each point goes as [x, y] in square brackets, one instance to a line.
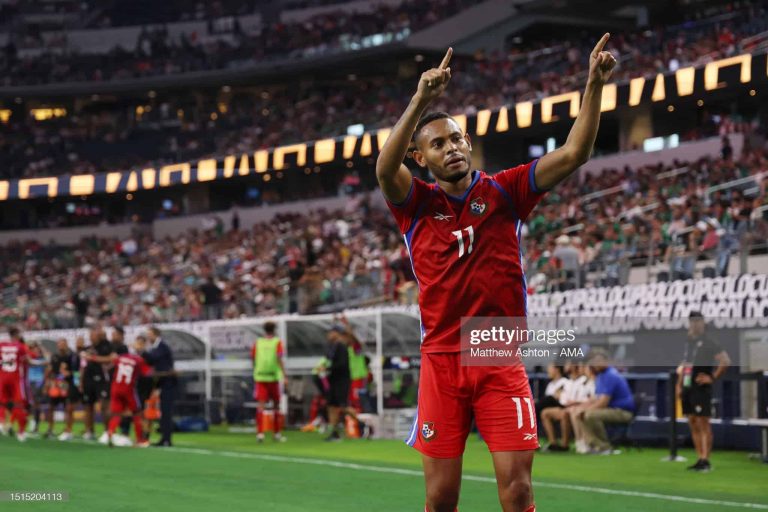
[253, 351]
[406, 211]
[519, 184]
[604, 384]
[280, 351]
[714, 346]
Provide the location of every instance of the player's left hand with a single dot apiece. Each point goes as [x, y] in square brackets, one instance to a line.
[601, 63]
[703, 379]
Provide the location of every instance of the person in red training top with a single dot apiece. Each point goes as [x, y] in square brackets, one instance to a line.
[14, 356]
[463, 236]
[124, 394]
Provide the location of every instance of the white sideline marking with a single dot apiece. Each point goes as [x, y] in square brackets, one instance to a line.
[412, 472]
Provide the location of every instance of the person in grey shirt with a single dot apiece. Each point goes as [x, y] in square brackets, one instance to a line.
[569, 259]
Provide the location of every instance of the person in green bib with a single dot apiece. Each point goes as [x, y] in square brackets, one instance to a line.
[268, 375]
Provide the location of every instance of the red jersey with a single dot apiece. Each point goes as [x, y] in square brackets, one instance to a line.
[466, 251]
[13, 360]
[128, 368]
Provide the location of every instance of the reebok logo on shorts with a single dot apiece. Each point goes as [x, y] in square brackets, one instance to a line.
[529, 437]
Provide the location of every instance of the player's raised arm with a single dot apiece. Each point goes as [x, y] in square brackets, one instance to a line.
[559, 164]
[394, 177]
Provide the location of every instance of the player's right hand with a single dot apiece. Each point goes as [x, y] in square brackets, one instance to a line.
[434, 81]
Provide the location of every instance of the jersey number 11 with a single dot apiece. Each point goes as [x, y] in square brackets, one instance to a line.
[460, 237]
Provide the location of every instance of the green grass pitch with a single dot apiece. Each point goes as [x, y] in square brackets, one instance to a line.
[229, 472]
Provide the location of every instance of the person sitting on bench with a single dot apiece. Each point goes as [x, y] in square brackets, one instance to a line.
[613, 403]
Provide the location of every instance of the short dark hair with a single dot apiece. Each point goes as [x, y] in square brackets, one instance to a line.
[597, 353]
[695, 314]
[155, 330]
[269, 327]
[428, 118]
[13, 332]
[120, 329]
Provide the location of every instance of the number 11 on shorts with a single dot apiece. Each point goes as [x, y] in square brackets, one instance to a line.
[519, 404]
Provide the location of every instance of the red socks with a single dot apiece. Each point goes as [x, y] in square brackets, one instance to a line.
[137, 428]
[19, 415]
[114, 422]
[259, 421]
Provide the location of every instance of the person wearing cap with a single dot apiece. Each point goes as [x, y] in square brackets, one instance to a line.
[695, 377]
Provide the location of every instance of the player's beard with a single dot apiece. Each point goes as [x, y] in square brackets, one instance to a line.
[456, 176]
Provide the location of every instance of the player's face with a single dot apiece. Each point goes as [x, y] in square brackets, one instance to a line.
[551, 371]
[696, 327]
[442, 148]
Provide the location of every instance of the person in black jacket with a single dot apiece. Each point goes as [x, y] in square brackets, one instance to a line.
[94, 383]
[159, 355]
[338, 378]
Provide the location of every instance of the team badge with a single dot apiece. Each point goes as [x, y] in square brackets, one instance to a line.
[477, 206]
[428, 431]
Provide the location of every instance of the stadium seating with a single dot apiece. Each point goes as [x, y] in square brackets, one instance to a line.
[172, 127]
[355, 256]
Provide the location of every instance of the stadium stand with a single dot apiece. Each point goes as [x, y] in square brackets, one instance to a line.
[665, 216]
[96, 136]
[202, 168]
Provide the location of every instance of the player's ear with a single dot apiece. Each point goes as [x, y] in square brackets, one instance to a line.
[469, 141]
[418, 156]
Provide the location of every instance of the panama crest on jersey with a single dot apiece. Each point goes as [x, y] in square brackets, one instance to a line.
[477, 206]
[428, 431]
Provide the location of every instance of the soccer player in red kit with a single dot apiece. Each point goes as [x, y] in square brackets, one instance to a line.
[463, 236]
[14, 360]
[124, 395]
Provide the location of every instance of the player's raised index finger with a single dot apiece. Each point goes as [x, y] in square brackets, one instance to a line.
[601, 44]
[446, 59]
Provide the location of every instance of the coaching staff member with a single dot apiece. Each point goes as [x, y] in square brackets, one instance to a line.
[694, 385]
[95, 381]
[159, 355]
[338, 378]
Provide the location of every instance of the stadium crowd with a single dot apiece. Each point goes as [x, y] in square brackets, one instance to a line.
[303, 261]
[157, 53]
[168, 129]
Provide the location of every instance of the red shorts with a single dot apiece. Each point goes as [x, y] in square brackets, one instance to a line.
[450, 395]
[12, 389]
[354, 391]
[266, 391]
[122, 399]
